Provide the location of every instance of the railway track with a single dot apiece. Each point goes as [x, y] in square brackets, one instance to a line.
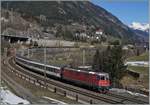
[109, 98]
[34, 75]
[127, 98]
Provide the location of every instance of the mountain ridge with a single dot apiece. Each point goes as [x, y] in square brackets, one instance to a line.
[141, 29]
[140, 26]
[82, 12]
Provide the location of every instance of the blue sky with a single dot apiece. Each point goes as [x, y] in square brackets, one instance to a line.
[127, 11]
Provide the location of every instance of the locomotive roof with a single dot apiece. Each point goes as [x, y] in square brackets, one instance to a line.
[87, 71]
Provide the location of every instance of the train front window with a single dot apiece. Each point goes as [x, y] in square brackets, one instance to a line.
[102, 78]
[107, 78]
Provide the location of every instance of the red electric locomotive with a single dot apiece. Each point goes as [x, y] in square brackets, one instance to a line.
[95, 80]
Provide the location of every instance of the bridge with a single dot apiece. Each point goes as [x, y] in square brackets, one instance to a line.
[14, 38]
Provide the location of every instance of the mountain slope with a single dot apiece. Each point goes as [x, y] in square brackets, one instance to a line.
[68, 12]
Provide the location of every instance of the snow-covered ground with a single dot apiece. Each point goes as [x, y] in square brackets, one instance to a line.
[7, 97]
[137, 63]
[126, 91]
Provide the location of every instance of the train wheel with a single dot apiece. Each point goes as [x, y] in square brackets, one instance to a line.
[103, 91]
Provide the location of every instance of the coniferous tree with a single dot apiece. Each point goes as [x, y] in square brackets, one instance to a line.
[96, 61]
[59, 31]
[137, 52]
[110, 61]
[115, 64]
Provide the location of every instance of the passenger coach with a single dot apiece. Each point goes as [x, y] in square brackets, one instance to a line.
[95, 80]
[39, 67]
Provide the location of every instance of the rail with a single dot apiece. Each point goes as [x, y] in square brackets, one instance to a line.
[66, 89]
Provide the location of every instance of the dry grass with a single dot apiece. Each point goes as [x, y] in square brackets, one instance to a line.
[140, 83]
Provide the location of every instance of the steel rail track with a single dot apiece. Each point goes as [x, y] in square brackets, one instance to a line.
[92, 95]
[123, 97]
[128, 98]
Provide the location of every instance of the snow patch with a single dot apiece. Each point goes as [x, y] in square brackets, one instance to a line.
[139, 26]
[137, 63]
[136, 94]
[4, 19]
[7, 97]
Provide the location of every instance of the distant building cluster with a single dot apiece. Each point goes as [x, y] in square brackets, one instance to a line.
[97, 36]
[99, 32]
[43, 18]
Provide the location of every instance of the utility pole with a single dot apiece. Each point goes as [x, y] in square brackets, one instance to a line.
[28, 53]
[31, 52]
[22, 52]
[7, 6]
[45, 65]
[83, 57]
[11, 19]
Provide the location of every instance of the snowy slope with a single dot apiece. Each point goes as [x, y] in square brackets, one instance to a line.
[139, 26]
[7, 97]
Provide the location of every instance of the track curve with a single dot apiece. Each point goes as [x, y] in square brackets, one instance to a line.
[105, 98]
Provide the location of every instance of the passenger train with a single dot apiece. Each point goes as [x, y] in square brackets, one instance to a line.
[95, 80]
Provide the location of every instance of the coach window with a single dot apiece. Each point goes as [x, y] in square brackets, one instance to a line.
[35, 65]
[98, 77]
[50, 69]
[40, 66]
[54, 70]
[32, 64]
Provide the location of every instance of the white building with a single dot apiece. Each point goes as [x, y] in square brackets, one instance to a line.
[99, 32]
[83, 34]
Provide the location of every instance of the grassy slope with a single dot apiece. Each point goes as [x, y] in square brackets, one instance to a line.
[143, 70]
[142, 57]
[129, 80]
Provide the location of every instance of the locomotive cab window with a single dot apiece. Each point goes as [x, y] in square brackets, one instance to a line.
[107, 78]
[100, 77]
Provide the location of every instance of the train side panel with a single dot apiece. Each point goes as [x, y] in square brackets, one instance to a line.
[39, 67]
[80, 77]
